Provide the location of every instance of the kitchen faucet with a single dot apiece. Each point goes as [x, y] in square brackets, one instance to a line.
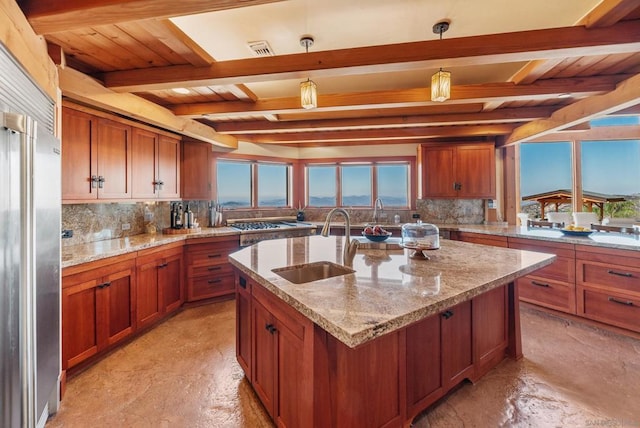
[377, 205]
[350, 247]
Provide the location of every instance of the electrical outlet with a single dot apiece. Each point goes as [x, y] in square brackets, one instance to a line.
[67, 233]
[126, 226]
[415, 215]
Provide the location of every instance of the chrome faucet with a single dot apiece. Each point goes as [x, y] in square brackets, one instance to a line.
[377, 205]
[350, 246]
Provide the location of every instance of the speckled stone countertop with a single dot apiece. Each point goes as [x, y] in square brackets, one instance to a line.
[597, 239]
[388, 290]
[84, 253]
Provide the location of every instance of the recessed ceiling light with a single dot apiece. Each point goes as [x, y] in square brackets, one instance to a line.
[183, 91]
[565, 95]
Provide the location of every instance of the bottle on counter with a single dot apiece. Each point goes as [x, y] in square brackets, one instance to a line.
[178, 217]
[188, 218]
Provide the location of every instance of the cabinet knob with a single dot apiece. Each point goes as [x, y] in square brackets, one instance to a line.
[270, 328]
[447, 314]
[101, 181]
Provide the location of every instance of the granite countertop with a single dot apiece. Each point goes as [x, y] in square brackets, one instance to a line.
[84, 253]
[597, 239]
[388, 290]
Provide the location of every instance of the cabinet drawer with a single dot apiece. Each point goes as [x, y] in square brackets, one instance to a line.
[548, 293]
[222, 246]
[614, 277]
[207, 258]
[615, 309]
[206, 287]
[563, 268]
[217, 269]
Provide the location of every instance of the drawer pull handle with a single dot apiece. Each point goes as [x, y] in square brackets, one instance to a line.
[214, 281]
[270, 328]
[622, 302]
[540, 284]
[243, 282]
[104, 284]
[213, 256]
[163, 265]
[625, 274]
[214, 268]
[447, 314]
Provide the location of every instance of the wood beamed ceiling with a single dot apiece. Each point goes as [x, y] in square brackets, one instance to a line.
[564, 76]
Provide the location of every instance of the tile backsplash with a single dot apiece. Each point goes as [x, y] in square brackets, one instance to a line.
[97, 222]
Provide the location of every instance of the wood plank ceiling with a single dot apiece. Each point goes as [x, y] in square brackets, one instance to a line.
[132, 47]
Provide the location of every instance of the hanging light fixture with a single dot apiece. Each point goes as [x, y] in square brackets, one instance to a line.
[308, 89]
[441, 81]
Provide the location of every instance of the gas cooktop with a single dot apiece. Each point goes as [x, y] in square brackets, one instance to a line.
[255, 225]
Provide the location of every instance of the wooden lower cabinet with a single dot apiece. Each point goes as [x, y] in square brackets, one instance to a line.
[97, 308]
[306, 377]
[479, 238]
[608, 286]
[209, 273]
[159, 284]
[553, 286]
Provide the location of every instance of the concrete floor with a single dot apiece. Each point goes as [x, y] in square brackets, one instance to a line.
[183, 373]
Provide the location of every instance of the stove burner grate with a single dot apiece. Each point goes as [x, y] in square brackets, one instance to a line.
[255, 225]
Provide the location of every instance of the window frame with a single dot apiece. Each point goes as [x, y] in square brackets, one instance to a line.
[254, 179]
[373, 162]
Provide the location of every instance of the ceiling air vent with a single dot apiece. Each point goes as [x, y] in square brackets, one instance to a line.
[261, 48]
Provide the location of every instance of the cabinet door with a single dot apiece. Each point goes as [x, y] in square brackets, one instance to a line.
[148, 308]
[114, 159]
[475, 171]
[79, 319]
[115, 300]
[243, 324]
[169, 167]
[457, 356]
[264, 357]
[424, 364]
[170, 282]
[438, 171]
[78, 164]
[290, 377]
[196, 171]
[490, 328]
[144, 145]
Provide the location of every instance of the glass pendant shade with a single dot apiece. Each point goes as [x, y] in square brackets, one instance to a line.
[308, 94]
[441, 86]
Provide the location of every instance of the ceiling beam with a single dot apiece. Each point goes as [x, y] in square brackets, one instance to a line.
[48, 17]
[626, 94]
[460, 94]
[464, 51]
[608, 13]
[497, 116]
[83, 88]
[415, 133]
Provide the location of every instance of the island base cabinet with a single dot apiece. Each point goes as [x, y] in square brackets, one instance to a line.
[305, 377]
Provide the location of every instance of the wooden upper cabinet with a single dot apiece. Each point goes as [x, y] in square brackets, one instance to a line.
[197, 170]
[114, 160]
[96, 157]
[458, 171]
[156, 165]
[78, 165]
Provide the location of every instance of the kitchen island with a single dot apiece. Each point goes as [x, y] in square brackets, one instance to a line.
[377, 346]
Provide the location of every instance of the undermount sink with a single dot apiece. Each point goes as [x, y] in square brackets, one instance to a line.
[312, 272]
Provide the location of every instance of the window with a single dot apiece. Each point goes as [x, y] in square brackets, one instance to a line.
[234, 184]
[545, 172]
[252, 184]
[272, 185]
[321, 186]
[358, 184]
[610, 171]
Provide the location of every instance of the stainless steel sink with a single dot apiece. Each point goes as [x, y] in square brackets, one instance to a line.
[312, 272]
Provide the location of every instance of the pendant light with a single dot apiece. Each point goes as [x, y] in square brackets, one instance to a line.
[441, 80]
[308, 89]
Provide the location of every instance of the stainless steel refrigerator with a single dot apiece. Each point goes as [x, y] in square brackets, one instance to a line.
[29, 250]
